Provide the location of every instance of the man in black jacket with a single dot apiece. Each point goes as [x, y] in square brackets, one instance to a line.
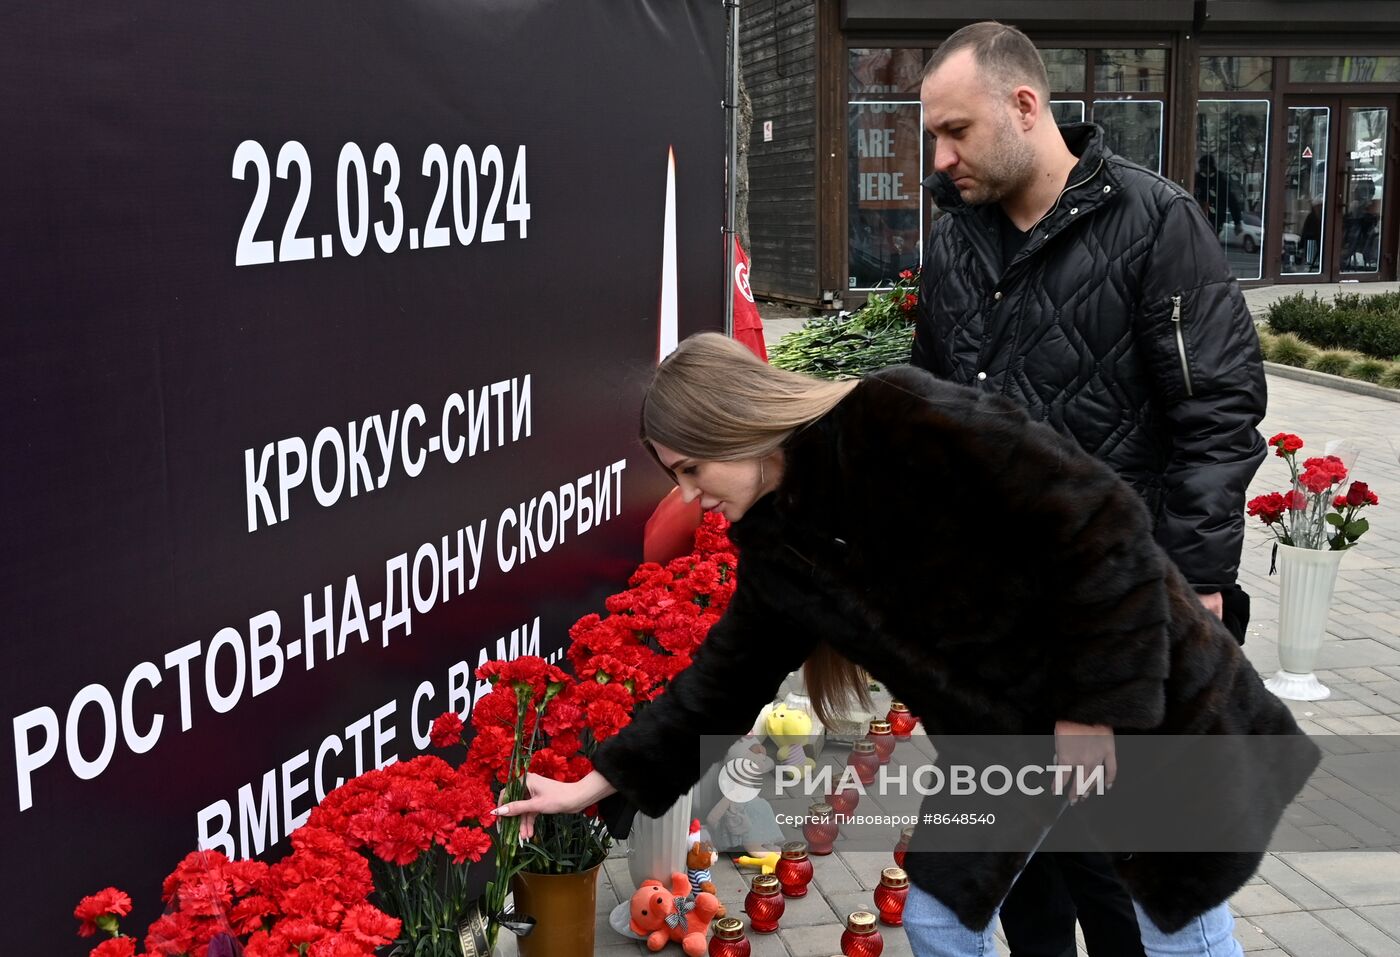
[1095, 293]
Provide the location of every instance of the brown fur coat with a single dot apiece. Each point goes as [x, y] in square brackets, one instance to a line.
[997, 579]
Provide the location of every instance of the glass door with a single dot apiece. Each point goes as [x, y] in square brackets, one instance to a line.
[1336, 173]
[1303, 220]
[1362, 166]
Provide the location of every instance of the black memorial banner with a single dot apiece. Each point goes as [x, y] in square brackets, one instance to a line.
[324, 329]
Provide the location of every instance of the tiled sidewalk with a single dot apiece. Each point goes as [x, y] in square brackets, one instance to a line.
[1330, 902]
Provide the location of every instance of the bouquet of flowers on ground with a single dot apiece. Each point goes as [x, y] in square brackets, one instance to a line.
[537, 719]
[407, 833]
[312, 903]
[846, 345]
[1315, 512]
[654, 627]
[419, 824]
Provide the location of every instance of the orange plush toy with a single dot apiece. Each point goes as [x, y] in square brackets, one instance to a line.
[661, 915]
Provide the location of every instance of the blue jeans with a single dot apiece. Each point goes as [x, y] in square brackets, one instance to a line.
[934, 931]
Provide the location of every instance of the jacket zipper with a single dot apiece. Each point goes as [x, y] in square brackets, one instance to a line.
[1181, 344]
[1066, 190]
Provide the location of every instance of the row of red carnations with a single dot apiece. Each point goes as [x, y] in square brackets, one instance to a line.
[384, 859]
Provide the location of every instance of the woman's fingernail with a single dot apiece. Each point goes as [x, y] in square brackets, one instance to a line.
[503, 809]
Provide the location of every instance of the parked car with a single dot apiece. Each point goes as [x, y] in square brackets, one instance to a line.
[1249, 236]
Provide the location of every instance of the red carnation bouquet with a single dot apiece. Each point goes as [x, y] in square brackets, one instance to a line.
[419, 825]
[536, 719]
[654, 627]
[407, 833]
[1315, 512]
[312, 903]
[539, 719]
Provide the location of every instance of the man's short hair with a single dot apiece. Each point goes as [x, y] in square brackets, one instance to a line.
[1004, 55]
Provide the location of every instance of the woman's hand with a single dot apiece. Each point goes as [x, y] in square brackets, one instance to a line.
[547, 796]
[1083, 747]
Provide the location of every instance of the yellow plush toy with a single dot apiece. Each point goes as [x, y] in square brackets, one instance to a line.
[790, 729]
[768, 862]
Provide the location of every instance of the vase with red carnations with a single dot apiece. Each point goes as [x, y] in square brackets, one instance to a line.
[1314, 524]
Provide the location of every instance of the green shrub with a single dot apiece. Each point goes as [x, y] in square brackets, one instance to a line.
[1391, 378]
[1377, 334]
[1289, 350]
[1369, 370]
[1378, 304]
[1365, 323]
[1333, 361]
[1296, 312]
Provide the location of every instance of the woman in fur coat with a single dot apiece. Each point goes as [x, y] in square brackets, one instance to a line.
[992, 575]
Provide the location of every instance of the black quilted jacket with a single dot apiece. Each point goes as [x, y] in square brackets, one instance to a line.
[1118, 324]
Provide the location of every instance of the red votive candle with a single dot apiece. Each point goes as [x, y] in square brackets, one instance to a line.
[890, 895]
[861, 937]
[794, 870]
[820, 829]
[764, 904]
[901, 721]
[883, 739]
[865, 762]
[729, 939]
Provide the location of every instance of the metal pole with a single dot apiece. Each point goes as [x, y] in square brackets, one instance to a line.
[731, 135]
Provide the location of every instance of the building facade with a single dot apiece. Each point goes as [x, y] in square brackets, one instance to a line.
[1280, 116]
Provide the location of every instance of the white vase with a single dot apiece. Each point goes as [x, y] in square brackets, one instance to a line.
[656, 848]
[657, 845]
[1306, 579]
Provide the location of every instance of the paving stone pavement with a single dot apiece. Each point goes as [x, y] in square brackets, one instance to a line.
[1324, 902]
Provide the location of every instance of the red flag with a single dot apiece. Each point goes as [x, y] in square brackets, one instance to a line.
[748, 326]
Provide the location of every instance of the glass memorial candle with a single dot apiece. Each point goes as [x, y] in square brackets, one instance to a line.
[890, 896]
[820, 829]
[764, 904]
[861, 937]
[729, 939]
[794, 870]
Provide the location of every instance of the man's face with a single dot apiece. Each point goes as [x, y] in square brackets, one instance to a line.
[978, 143]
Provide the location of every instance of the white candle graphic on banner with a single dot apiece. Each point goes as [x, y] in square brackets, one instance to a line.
[666, 336]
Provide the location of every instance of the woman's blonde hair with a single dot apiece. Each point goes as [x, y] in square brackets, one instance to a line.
[713, 399]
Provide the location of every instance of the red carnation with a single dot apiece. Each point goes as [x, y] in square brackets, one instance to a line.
[1320, 474]
[338, 945]
[1269, 508]
[171, 934]
[115, 947]
[297, 931]
[447, 730]
[1285, 443]
[546, 763]
[370, 926]
[108, 903]
[261, 944]
[906, 274]
[248, 914]
[1295, 501]
[468, 844]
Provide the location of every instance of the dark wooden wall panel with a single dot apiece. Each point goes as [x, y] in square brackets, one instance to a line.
[778, 50]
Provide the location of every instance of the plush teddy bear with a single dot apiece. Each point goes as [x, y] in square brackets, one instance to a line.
[700, 856]
[662, 914]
